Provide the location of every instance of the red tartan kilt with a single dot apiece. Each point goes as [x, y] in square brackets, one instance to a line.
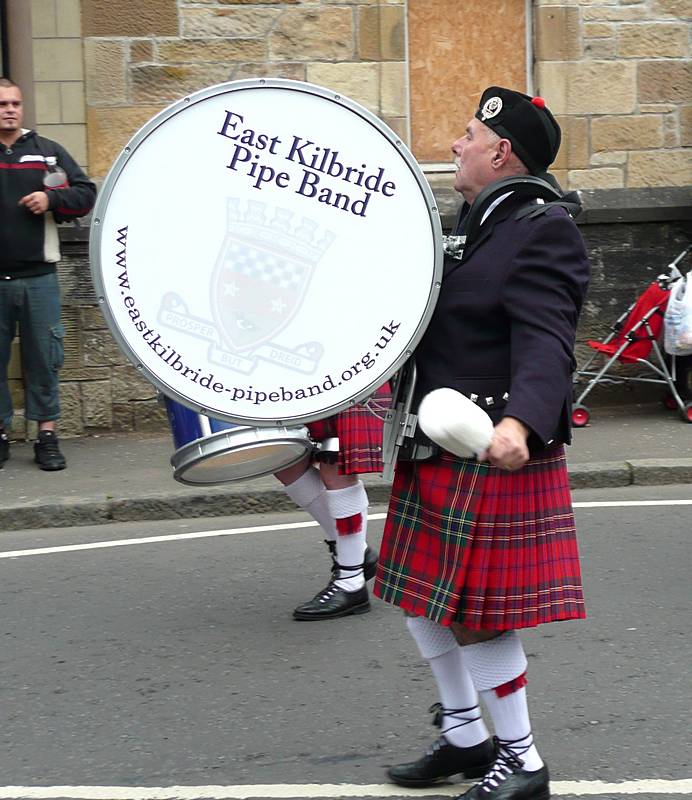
[360, 436]
[491, 549]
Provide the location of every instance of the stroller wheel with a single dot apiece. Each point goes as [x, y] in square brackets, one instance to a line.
[687, 412]
[670, 402]
[581, 416]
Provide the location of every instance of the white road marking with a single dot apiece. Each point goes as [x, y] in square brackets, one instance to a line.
[177, 537]
[316, 790]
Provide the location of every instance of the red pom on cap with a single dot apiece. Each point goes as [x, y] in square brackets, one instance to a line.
[539, 102]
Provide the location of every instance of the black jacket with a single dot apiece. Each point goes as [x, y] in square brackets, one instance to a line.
[504, 326]
[29, 242]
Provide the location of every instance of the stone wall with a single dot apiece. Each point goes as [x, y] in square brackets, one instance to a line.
[141, 57]
[619, 77]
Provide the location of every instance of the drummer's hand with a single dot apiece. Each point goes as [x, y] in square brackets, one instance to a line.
[508, 449]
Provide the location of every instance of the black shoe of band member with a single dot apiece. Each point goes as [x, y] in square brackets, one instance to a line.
[444, 760]
[47, 453]
[4, 448]
[333, 602]
[507, 780]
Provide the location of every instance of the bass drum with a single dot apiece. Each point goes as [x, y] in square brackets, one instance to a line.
[280, 274]
[210, 451]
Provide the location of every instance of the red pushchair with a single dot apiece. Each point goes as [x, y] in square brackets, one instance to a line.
[634, 339]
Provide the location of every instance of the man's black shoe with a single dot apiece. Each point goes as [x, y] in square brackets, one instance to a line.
[507, 780]
[333, 602]
[4, 448]
[47, 453]
[442, 761]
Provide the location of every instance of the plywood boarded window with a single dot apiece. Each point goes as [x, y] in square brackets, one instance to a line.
[456, 49]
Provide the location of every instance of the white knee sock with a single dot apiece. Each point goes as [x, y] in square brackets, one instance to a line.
[349, 508]
[463, 726]
[492, 664]
[310, 494]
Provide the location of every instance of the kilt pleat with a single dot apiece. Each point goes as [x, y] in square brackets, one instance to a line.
[489, 548]
[360, 435]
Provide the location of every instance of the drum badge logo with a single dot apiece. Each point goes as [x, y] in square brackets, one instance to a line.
[491, 108]
[262, 272]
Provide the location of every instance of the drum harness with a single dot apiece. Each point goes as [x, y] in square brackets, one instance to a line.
[402, 438]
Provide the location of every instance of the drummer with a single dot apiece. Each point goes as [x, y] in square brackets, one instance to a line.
[329, 489]
[474, 549]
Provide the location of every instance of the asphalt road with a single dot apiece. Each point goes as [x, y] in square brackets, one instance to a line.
[177, 661]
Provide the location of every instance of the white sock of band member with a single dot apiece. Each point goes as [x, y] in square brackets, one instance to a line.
[495, 663]
[349, 507]
[462, 724]
[310, 494]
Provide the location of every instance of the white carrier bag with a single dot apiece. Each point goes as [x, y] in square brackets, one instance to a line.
[677, 322]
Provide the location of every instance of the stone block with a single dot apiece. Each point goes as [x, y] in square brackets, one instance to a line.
[614, 13]
[399, 126]
[130, 18]
[74, 374]
[665, 81]
[71, 422]
[106, 63]
[679, 9]
[96, 405]
[276, 69]
[660, 168]
[150, 417]
[588, 87]
[165, 83]
[101, 350]
[110, 129]
[200, 23]
[393, 89]
[68, 18]
[609, 158]
[626, 133]
[72, 137]
[601, 178]
[599, 30]
[73, 102]
[128, 384]
[652, 40]
[686, 126]
[123, 417]
[58, 60]
[43, 19]
[91, 318]
[657, 108]
[211, 50]
[671, 131]
[381, 33]
[653, 471]
[313, 35]
[357, 81]
[47, 105]
[558, 33]
[600, 48]
[141, 51]
[574, 148]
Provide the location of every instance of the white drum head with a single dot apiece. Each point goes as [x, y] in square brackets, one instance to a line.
[266, 252]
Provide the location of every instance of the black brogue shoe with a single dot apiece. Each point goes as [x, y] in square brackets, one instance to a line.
[508, 780]
[444, 760]
[333, 602]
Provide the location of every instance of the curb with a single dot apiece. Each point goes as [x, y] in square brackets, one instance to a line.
[238, 501]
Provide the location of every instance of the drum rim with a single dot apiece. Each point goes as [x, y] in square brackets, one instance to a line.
[216, 443]
[241, 85]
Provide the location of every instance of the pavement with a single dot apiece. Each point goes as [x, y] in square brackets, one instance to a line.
[128, 477]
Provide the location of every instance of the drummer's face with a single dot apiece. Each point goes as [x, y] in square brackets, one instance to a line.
[473, 156]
